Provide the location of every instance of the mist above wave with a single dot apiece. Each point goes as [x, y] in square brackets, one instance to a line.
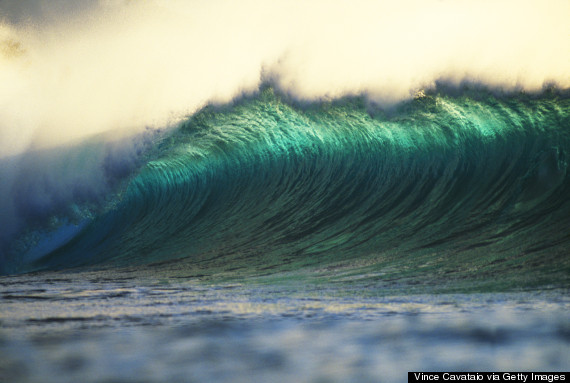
[69, 71]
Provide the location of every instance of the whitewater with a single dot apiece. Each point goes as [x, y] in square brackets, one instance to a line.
[284, 191]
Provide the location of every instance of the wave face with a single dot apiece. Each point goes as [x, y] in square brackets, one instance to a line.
[446, 186]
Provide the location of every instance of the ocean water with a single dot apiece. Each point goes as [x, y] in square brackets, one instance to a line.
[135, 326]
[269, 239]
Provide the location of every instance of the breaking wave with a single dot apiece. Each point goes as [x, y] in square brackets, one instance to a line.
[448, 185]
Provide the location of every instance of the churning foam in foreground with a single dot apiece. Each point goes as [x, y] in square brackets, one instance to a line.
[69, 71]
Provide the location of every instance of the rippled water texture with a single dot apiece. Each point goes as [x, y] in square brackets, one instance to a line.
[132, 326]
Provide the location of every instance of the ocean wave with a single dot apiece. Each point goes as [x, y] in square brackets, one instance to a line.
[470, 184]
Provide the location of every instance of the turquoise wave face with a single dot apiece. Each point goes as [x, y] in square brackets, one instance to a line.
[445, 188]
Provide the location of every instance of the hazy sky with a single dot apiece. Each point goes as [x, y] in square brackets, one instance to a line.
[70, 69]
